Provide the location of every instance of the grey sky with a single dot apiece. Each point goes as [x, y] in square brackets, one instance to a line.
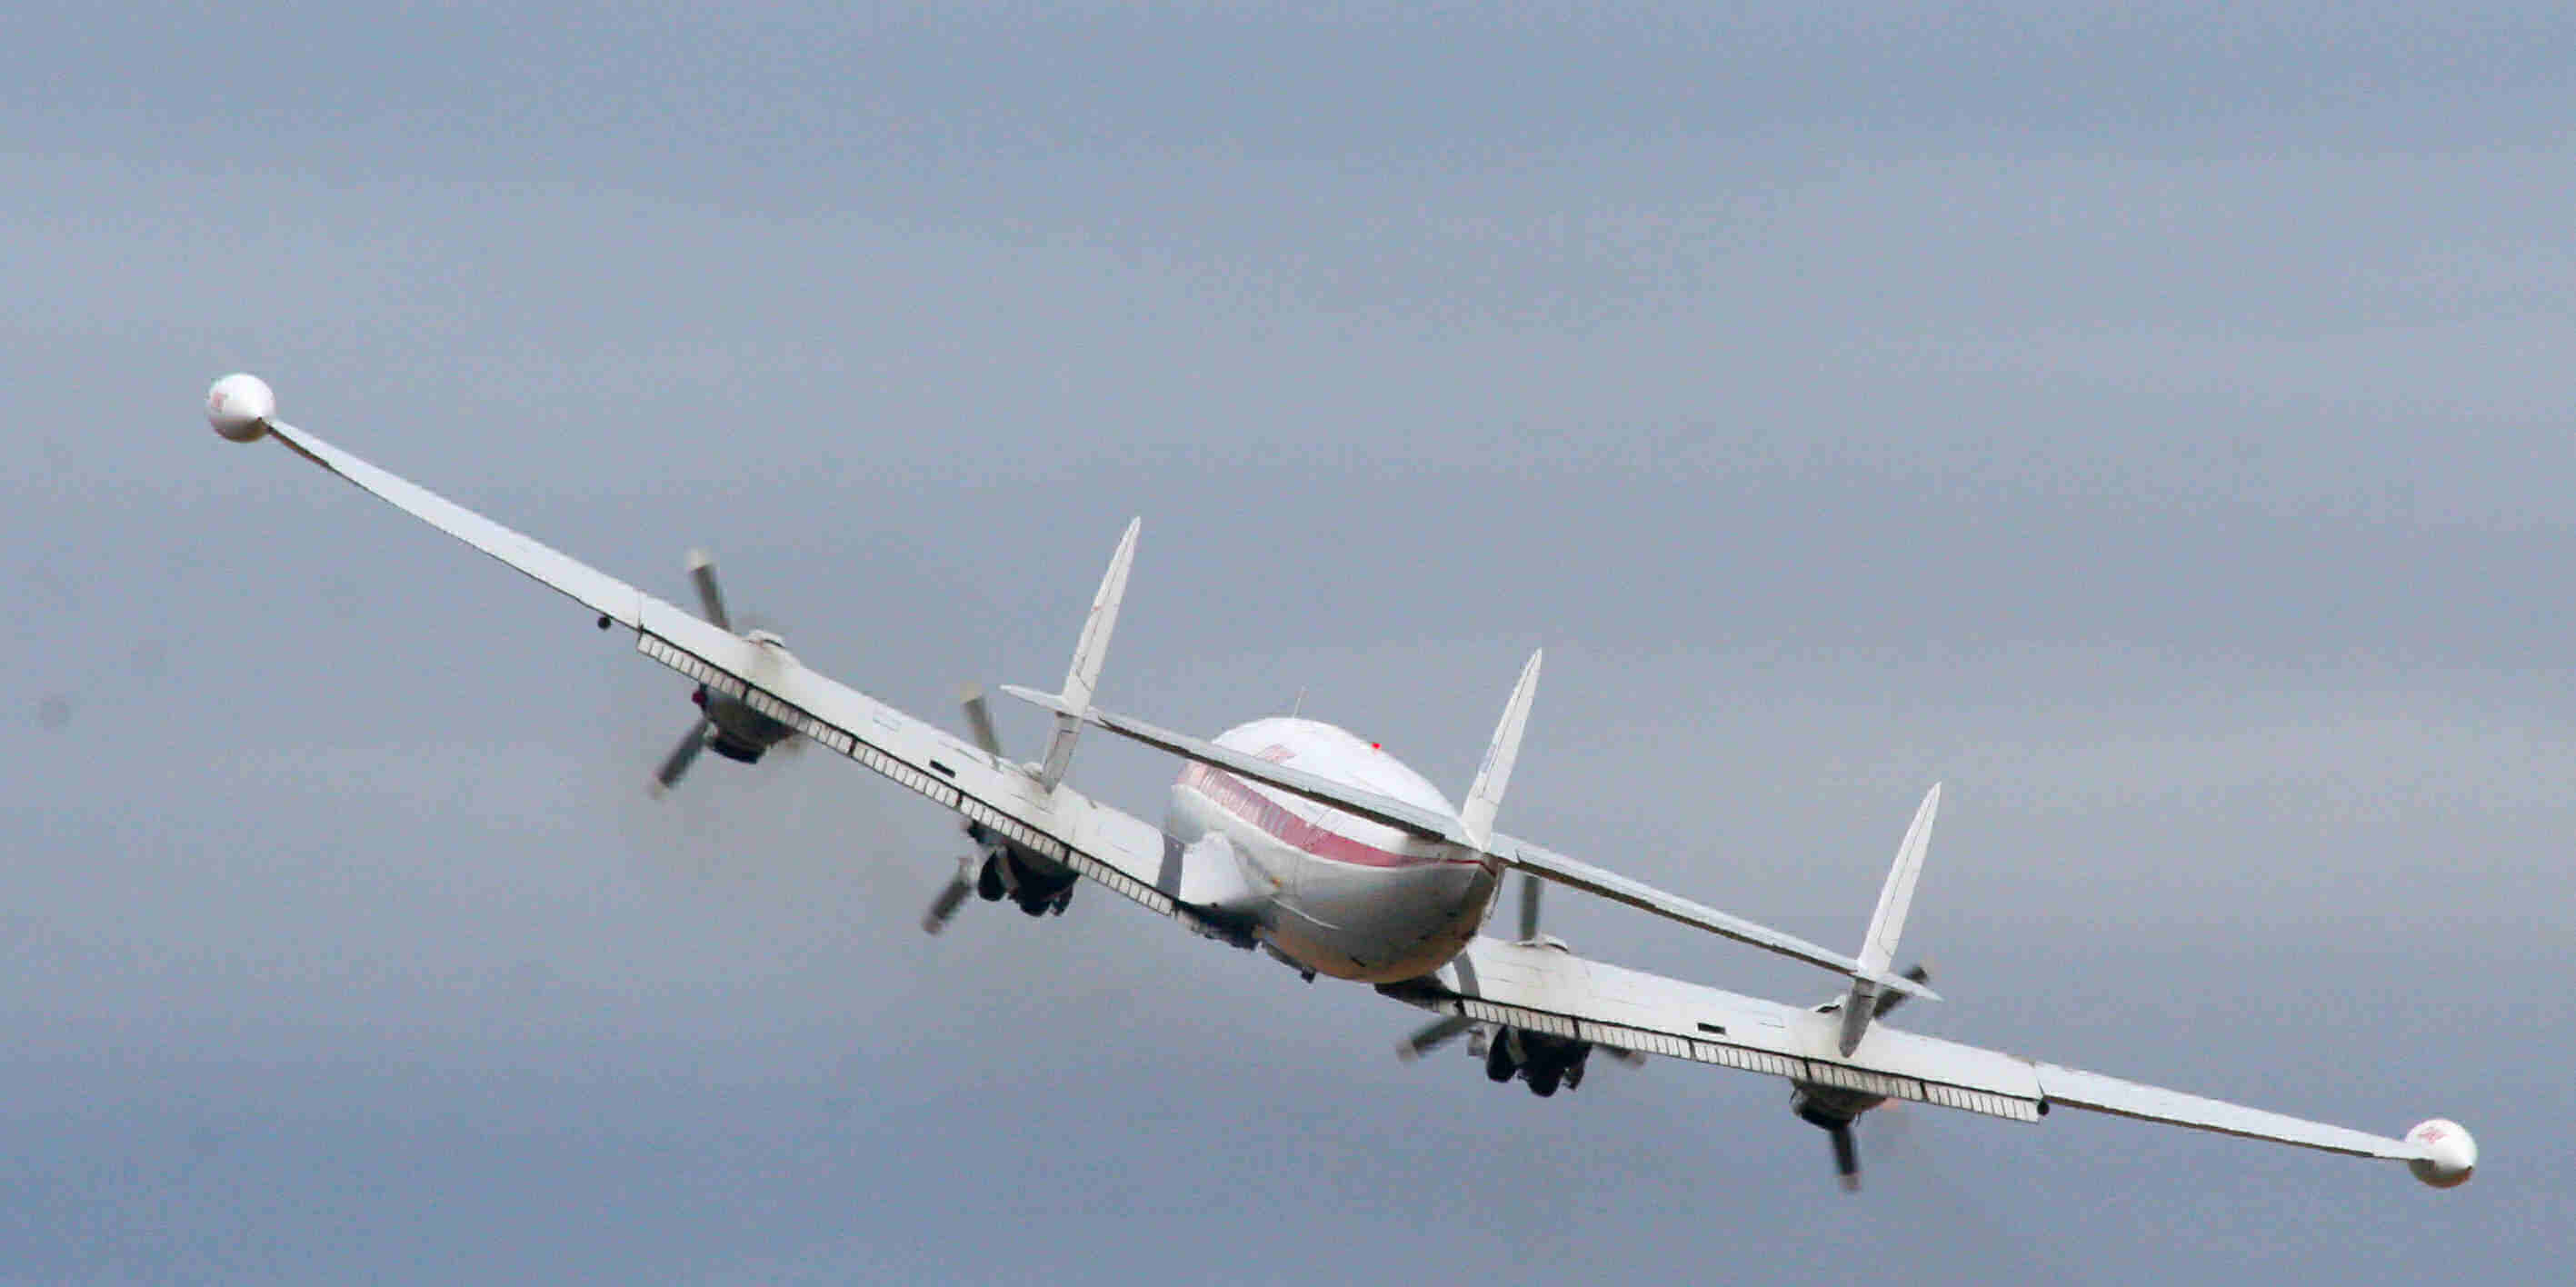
[2151, 422]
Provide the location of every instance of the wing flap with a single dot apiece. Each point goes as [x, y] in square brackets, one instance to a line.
[1556, 867]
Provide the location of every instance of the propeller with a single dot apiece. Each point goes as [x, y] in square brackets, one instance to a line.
[1836, 1111]
[1846, 1157]
[979, 720]
[1919, 972]
[701, 568]
[702, 572]
[681, 756]
[951, 895]
[1437, 1033]
[979, 726]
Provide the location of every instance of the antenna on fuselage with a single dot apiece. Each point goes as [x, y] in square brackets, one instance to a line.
[1298, 707]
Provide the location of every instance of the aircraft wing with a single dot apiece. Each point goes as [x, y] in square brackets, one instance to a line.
[1541, 988]
[1120, 851]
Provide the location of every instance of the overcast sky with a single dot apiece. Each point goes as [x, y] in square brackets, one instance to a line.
[2152, 422]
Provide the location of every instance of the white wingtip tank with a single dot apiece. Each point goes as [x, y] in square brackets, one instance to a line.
[2453, 1153]
[240, 406]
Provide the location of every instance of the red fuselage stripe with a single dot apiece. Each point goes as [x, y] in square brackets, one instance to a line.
[1232, 795]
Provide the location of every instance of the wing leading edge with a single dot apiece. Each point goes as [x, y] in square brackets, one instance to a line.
[1116, 849]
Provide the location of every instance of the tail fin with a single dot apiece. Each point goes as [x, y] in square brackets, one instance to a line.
[1878, 950]
[1088, 654]
[1896, 898]
[1485, 798]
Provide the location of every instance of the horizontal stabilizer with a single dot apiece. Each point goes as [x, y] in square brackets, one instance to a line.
[1593, 880]
[1427, 823]
[1431, 825]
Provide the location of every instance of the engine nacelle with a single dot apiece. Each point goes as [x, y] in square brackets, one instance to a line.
[1829, 1106]
[1544, 1061]
[1039, 884]
[240, 406]
[2454, 1153]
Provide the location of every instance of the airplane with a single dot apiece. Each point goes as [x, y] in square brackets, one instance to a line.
[1301, 840]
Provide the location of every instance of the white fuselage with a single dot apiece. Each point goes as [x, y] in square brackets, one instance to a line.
[1337, 894]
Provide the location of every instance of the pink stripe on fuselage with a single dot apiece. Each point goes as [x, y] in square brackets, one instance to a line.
[1234, 796]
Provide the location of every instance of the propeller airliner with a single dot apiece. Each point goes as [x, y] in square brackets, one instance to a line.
[1296, 838]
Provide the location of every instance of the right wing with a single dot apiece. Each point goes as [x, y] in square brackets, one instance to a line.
[1117, 849]
[1546, 989]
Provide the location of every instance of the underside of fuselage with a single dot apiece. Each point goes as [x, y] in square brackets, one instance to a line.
[1329, 892]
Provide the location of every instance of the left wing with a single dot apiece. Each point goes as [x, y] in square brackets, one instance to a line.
[1114, 848]
[1545, 989]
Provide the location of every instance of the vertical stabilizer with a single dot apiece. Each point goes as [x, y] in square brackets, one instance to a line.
[1485, 798]
[1084, 676]
[1878, 950]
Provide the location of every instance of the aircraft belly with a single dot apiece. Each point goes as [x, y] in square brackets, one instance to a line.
[1367, 923]
[1383, 925]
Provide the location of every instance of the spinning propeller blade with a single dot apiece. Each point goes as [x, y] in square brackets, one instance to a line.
[1890, 1000]
[677, 762]
[1846, 1157]
[1529, 906]
[979, 719]
[979, 727]
[1431, 1037]
[702, 570]
[735, 730]
[945, 906]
